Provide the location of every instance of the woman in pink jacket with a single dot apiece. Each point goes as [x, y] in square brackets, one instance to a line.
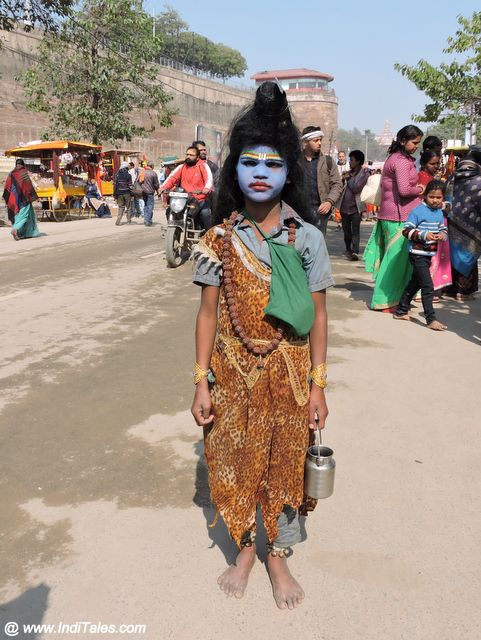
[386, 254]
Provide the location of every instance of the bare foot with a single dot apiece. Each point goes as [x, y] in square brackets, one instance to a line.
[15, 234]
[388, 310]
[288, 593]
[404, 317]
[233, 581]
[435, 325]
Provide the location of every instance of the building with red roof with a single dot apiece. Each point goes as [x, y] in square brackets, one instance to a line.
[311, 99]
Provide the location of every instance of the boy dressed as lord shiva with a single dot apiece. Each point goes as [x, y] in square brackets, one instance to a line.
[261, 341]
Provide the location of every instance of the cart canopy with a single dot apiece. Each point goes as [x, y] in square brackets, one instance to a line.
[38, 150]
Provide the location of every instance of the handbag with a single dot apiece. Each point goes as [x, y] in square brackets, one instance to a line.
[137, 189]
[289, 299]
[372, 190]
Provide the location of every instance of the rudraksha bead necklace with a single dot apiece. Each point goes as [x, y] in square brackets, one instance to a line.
[227, 249]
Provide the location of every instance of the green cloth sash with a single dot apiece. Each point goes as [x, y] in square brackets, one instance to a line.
[290, 299]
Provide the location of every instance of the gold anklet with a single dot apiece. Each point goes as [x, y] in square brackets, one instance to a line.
[279, 552]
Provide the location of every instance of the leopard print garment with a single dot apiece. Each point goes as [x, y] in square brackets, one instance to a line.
[256, 447]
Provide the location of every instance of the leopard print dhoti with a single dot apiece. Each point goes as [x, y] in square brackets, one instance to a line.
[256, 446]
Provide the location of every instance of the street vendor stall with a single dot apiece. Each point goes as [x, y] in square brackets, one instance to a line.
[169, 163]
[459, 150]
[452, 154]
[59, 170]
[111, 159]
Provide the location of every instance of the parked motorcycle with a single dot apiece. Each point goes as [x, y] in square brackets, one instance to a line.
[183, 227]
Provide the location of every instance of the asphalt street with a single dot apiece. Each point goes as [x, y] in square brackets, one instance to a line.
[103, 496]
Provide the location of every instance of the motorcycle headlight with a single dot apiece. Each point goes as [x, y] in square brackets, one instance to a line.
[177, 204]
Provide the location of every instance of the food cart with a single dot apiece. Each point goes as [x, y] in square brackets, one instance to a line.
[111, 159]
[71, 161]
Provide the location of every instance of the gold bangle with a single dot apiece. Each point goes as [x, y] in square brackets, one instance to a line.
[318, 375]
[199, 373]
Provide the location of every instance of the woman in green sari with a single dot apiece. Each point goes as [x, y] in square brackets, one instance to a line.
[386, 254]
[19, 193]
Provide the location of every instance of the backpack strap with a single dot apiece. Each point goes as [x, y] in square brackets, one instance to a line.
[329, 162]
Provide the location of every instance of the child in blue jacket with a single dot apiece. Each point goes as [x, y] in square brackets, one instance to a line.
[424, 228]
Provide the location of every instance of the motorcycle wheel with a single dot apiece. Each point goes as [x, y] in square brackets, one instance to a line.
[173, 247]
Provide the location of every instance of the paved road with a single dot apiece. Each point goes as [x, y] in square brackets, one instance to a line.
[104, 503]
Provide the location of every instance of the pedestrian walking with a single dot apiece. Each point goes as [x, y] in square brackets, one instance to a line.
[342, 163]
[351, 207]
[253, 361]
[386, 256]
[424, 229]
[149, 180]
[342, 168]
[19, 194]
[465, 225]
[137, 202]
[123, 192]
[441, 263]
[322, 179]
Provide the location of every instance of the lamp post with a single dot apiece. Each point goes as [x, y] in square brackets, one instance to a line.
[366, 132]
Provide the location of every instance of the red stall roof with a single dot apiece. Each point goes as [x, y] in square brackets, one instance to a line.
[285, 74]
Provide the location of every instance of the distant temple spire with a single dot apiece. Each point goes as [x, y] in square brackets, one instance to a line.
[386, 137]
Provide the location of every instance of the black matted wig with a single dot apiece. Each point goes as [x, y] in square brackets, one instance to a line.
[266, 122]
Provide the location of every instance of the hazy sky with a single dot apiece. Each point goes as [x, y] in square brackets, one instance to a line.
[356, 41]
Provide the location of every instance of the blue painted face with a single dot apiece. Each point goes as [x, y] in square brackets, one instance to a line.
[261, 173]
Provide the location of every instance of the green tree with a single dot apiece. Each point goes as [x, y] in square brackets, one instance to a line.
[225, 62]
[195, 50]
[452, 128]
[93, 75]
[356, 139]
[169, 25]
[453, 87]
[42, 13]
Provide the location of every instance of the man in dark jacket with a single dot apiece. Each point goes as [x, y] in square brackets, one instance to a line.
[123, 192]
[150, 186]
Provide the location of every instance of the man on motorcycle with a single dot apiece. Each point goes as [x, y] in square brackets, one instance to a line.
[195, 176]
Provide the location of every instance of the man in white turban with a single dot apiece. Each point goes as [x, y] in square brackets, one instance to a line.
[323, 182]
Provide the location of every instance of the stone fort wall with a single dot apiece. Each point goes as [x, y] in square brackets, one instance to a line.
[198, 101]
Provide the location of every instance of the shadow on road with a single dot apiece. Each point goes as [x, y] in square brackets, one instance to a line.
[27, 609]
[462, 318]
[218, 533]
[359, 291]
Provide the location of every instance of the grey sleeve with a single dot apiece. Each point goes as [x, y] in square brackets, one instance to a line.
[207, 267]
[315, 259]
